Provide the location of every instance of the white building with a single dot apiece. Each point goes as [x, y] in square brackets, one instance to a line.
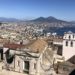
[48, 34]
[68, 45]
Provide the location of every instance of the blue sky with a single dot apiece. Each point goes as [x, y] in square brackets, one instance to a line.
[61, 9]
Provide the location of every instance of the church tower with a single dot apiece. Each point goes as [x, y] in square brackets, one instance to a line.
[68, 45]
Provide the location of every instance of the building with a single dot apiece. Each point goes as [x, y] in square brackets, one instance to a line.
[38, 56]
[23, 58]
[68, 45]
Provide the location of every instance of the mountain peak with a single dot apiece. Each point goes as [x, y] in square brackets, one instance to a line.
[50, 17]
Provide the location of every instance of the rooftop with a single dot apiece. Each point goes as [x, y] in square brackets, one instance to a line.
[13, 46]
[38, 45]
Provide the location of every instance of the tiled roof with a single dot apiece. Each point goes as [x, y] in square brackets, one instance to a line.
[38, 45]
[13, 46]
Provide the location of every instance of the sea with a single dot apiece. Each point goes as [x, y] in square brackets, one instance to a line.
[59, 31]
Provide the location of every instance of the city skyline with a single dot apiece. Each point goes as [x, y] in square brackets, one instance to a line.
[29, 9]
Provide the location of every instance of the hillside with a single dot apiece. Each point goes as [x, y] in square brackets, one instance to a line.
[52, 22]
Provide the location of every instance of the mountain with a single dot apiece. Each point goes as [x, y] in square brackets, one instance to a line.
[3, 19]
[51, 22]
[49, 19]
[42, 21]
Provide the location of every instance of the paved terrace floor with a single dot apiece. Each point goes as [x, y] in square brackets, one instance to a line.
[5, 72]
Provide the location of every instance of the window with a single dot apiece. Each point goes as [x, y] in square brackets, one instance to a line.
[1, 54]
[69, 37]
[71, 43]
[26, 65]
[59, 51]
[66, 43]
[73, 36]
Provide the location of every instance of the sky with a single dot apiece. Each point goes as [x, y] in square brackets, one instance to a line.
[28, 9]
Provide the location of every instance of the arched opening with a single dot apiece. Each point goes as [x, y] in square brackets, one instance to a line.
[69, 37]
[73, 36]
[66, 43]
[9, 57]
[71, 43]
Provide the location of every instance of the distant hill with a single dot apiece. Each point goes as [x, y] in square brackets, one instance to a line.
[3, 19]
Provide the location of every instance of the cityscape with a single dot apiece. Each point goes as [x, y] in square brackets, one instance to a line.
[37, 37]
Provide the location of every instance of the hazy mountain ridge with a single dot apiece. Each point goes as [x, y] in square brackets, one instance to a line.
[52, 22]
[42, 21]
[3, 19]
[47, 19]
